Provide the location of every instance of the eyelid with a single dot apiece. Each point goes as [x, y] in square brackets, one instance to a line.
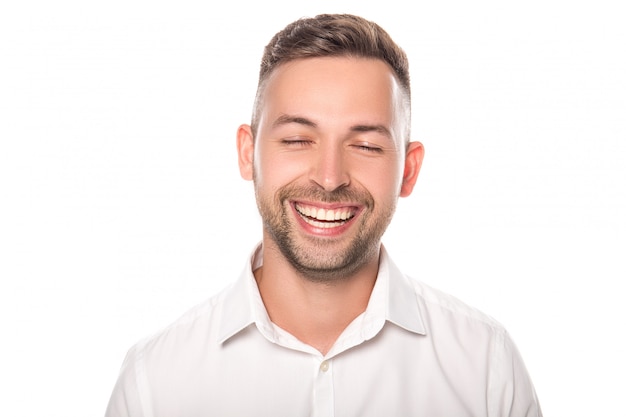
[295, 140]
[368, 147]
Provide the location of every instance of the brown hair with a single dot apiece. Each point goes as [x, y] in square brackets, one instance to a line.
[331, 35]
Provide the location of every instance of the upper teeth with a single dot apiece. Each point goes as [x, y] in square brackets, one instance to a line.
[342, 213]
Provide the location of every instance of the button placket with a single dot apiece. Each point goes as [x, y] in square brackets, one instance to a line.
[323, 395]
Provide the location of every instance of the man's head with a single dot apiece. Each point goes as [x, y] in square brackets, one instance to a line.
[329, 151]
[333, 35]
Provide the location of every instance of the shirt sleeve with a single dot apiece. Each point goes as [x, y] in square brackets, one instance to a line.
[511, 392]
[125, 400]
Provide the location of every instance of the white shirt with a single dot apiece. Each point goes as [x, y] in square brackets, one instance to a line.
[414, 352]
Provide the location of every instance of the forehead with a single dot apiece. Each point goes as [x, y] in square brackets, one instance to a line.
[333, 89]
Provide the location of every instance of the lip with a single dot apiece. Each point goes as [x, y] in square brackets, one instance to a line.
[326, 228]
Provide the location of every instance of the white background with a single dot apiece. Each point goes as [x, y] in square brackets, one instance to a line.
[122, 206]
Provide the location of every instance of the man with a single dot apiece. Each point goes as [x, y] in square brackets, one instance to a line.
[321, 322]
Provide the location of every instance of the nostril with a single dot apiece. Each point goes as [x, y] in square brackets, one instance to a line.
[331, 180]
[332, 184]
[329, 170]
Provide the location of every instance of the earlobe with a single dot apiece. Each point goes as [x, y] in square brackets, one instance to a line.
[245, 151]
[412, 166]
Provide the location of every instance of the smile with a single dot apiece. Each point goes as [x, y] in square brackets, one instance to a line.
[325, 218]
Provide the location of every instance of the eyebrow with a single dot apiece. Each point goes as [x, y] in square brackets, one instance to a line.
[285, 119]
[383, 130]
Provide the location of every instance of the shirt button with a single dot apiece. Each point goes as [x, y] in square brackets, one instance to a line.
[324, 366]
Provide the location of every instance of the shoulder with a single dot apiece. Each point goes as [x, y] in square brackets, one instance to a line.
[200, 322]
[155, 365]
[461, 330]
[458, 330]
[435, 308]
[437, 305]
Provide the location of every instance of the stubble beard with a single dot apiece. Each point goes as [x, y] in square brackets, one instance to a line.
[315, 258]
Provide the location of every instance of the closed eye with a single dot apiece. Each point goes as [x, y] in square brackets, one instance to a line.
[294, 142]
[369, 148]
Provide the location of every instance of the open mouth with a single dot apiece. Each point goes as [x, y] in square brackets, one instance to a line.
[325, 218]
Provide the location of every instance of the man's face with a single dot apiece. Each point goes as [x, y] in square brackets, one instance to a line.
[329, 162]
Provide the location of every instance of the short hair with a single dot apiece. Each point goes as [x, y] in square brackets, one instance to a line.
[332, 35]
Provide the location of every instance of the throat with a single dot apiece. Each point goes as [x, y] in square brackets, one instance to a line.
[314, 313]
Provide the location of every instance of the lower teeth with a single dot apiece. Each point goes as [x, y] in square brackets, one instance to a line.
[323, 225]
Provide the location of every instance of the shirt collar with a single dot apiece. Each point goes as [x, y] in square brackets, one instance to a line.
[393, 299]
[242, 303]
[395, 292]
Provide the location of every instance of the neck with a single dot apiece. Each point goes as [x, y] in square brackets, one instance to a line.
[316, 312]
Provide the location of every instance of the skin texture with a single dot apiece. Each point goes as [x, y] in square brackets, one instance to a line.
[331, 137]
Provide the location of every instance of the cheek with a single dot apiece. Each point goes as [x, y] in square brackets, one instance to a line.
[383, 180]
[274, 170]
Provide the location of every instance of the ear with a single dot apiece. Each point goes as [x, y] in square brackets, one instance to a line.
[412, 165]
[245, 151]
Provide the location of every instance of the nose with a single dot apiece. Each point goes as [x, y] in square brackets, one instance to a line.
[329, 169]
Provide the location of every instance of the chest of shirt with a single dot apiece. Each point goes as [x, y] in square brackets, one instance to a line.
[397, 373]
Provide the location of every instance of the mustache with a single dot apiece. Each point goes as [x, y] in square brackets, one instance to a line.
[315, 193]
